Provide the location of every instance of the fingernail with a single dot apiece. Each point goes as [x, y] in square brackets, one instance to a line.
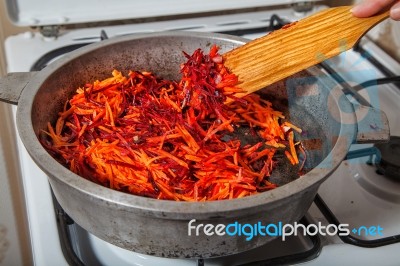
[395, 12]
[354, 9]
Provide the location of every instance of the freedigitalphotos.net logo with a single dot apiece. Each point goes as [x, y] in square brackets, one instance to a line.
[249, 231]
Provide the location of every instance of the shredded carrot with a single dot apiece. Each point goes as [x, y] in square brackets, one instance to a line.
[165, 139]
[290, 157]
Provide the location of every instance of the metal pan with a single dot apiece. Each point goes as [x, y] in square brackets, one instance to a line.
[157, 227]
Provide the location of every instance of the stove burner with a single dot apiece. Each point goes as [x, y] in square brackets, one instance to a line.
[389, 165]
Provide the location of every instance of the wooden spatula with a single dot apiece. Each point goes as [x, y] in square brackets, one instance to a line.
[297, 46]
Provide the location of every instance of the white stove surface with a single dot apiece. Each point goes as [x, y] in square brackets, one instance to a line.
[345, 191]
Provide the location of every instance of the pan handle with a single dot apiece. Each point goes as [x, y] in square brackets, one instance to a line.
[12, 84]
[372, 125]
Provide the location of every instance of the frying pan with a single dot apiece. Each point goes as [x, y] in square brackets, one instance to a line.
[310, 99]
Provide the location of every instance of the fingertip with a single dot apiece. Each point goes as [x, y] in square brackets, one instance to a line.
[355, 10]
[362, 10]
[369, 8]
[395, 11]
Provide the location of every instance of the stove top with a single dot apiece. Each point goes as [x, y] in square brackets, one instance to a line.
[355, 194]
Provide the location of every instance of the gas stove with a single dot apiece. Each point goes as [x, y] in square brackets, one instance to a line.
[362, 192]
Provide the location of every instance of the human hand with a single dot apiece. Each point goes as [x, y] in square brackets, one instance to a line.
[370, 7]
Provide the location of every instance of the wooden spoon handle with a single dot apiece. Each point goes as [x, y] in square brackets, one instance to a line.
[297, 46]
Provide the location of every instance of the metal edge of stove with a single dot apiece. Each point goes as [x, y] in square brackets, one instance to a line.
[43, 13]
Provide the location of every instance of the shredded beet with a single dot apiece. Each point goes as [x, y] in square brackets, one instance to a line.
[164, 139]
